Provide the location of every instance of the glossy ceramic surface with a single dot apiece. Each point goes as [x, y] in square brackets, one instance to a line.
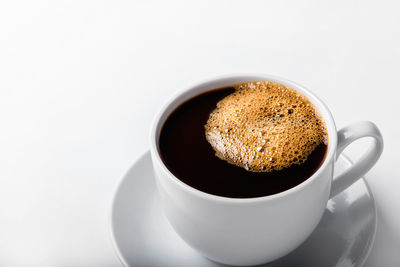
[143, 237]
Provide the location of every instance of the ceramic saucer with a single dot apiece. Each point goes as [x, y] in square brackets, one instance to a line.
[143, 237]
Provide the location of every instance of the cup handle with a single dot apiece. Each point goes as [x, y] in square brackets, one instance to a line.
[346, 136]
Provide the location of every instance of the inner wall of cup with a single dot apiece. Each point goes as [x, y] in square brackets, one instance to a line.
[224, 82]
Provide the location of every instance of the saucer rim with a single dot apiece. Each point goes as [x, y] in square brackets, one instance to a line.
[122, 260]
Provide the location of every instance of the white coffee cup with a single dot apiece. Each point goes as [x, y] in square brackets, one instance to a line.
[252, 231]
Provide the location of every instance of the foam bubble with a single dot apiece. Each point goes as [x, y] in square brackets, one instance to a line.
[264, 126]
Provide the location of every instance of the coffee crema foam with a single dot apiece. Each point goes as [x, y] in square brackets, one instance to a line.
[264, 126]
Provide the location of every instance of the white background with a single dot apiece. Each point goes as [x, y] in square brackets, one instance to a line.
[81, 81]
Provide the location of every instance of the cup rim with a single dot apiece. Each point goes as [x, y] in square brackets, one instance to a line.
[243, 77]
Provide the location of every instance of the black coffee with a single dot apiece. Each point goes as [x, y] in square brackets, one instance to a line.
[190, 157]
